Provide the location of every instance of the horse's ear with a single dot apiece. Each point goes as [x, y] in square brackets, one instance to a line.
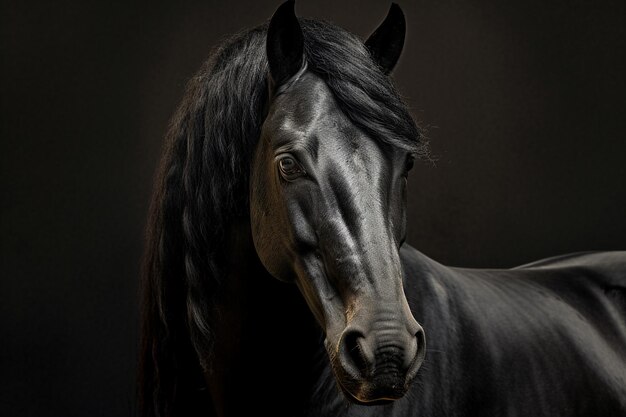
[285, 44]
[386, 43]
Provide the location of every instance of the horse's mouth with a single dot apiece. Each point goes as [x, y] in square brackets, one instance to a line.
[356, 399]
[364, 392]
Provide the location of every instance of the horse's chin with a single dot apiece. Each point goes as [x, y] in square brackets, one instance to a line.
[357, 398]
[362, 396]
[363, 392]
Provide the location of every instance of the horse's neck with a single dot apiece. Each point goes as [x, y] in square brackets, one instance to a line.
[436, 296]
[265, 337]
[269, 350]
[434, 292]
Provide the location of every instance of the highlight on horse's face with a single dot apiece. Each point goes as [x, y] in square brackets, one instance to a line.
[328, 212]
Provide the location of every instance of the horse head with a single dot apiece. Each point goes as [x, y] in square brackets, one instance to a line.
[328, 212]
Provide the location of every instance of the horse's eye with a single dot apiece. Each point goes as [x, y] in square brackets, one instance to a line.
[289, 168]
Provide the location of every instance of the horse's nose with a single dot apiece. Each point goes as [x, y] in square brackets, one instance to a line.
[386, 357]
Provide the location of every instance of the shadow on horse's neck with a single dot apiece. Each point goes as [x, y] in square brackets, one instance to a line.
[266, 340]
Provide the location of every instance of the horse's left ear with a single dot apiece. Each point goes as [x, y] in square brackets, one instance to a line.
[386, 43]
[285, 44]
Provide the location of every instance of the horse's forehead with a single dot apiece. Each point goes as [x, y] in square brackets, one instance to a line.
[308, 97]
[308, 111]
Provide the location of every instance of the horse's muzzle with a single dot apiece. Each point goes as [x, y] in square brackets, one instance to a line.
[376, 363]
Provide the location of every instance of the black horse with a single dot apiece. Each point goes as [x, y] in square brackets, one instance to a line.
[288, 158]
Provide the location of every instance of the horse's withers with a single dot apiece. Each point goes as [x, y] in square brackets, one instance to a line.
[328, 212]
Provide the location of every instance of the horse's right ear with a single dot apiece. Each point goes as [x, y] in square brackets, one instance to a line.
[285, 44]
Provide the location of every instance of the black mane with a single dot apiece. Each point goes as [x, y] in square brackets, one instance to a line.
[203, 185]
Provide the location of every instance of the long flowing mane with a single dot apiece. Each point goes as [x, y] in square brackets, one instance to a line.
[202, 186]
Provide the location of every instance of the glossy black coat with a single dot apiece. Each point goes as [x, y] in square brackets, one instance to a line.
[397, 333]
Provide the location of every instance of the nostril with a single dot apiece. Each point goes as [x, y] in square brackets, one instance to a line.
[355, 349]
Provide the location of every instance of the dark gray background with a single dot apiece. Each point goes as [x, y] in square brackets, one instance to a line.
[524, 101]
